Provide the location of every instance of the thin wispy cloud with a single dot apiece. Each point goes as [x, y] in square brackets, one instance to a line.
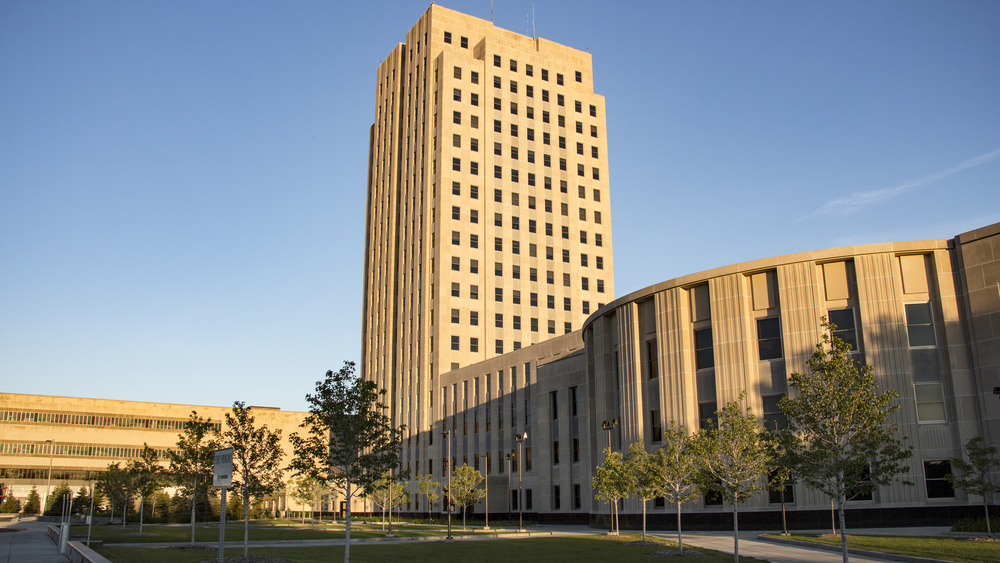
[856, 202]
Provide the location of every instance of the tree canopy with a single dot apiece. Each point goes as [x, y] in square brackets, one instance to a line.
[257, 456]
[677, 468]
[612, 482]
[844, 439]
[349, 439]
[734, 455]
[464, 490]
[192, 461]
[974, 474]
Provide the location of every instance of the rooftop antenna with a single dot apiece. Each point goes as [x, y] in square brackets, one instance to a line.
[491, 12]
[534, 35]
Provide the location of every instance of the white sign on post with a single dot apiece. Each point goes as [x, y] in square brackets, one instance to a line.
[222, 474]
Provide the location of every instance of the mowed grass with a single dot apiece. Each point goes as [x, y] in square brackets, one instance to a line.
[259, 531]
[576, 549]
[948, 549]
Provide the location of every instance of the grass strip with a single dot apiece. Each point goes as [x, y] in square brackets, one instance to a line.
[575, 549]
[948, 549]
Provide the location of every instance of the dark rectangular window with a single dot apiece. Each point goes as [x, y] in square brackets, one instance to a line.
[774, 417]
[655, 427]
[704, 350]
[935, 481]
[769, 338]
[706, 414]
[651, 364]
[844, 321]
[920, 325]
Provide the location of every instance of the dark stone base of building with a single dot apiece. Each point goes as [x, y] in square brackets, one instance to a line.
[870, 517]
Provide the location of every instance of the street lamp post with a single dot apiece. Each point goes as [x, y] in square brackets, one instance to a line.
[486, 479]
[520, 438]
[48, 481]
[610, 425]
[510, 456]
[447, 437]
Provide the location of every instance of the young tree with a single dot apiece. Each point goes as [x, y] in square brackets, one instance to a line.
[119, 484]
[54, 504]
[145, 473]
[611, 482]
[81, 502]
[387, 492]
[257, 458]
[974, 474]
[10, 504]
[349, 439]
[306, 491]
[192, 461]
[676, 465]
[779, 477]
[643, 477]
[427, 486]
[33, 504]
[734, 454]
[465, 489]
[844, 440]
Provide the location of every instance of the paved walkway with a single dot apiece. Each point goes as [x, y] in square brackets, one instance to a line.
[29, 543]
[750, 546]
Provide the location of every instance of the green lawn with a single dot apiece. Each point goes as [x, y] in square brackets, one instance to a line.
[577, 549]
[948, 549]
[259, 531]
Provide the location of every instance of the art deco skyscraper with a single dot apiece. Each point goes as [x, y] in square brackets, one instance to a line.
[488, 223]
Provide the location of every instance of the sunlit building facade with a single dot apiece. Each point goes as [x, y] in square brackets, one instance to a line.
[488, 220]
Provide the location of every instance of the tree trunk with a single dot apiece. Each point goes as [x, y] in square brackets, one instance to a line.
[194, 495]
[124, 512]
[142, 512]
[463, 518]
[246, 521]
[736, 532]
[347, 526]
[843, 529]
[986, 507]
[643, 519]
[680, 543]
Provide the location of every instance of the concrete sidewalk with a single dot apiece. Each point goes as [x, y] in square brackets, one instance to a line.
[26, 541]
[750, 546]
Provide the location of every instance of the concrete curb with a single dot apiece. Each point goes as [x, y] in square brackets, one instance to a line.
[852, 550]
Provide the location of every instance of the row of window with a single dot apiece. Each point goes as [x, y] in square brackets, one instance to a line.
[498, 321]
[515, 248]
[529, 70]
[456, 291]
[515, 129]
[103, 420]
[515, 220]
[515, 151]
[529, 111]
[515, 197]
[75, 450]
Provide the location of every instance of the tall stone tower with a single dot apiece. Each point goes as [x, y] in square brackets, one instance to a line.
[488, 219]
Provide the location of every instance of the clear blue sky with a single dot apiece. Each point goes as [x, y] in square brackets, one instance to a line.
[182, 184]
